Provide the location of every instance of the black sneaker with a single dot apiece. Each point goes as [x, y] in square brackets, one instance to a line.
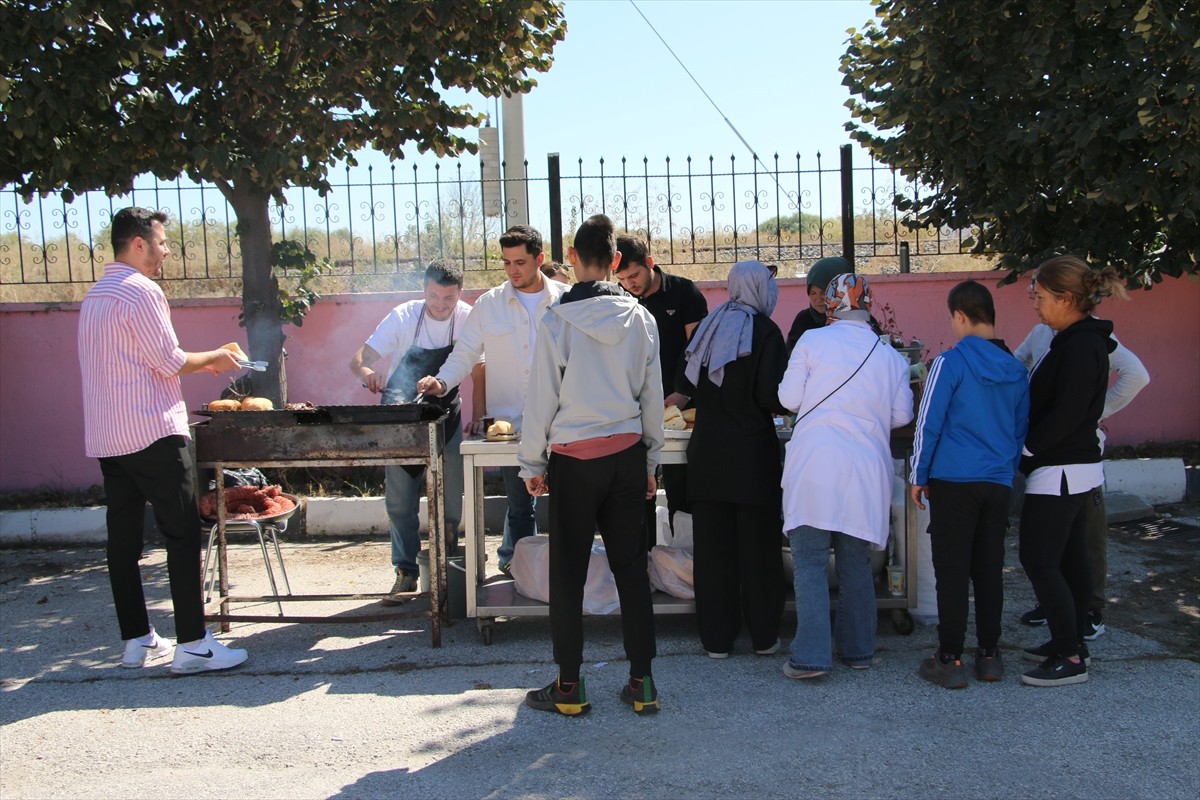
[949, 676]
[552, 698]
[1095, 627]
[989, 667]
[643, 698]
[1044, 651]
[1035, 618]
[1056, 672]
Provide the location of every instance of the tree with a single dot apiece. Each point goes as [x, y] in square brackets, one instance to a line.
[252, 95]
[1054, 126]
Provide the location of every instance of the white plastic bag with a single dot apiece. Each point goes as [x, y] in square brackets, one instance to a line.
[681, 537]
[531, 575]
[531, 567]
[671, 571]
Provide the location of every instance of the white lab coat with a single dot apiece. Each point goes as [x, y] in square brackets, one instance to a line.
[837, 473]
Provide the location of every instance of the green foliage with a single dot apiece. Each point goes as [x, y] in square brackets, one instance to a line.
[296, 267]
[790, 225]
[258, 92]
[1054, 126]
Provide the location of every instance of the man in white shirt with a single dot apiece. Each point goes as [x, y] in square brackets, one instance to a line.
[502, 327]
[1130, 378]
[415, 338]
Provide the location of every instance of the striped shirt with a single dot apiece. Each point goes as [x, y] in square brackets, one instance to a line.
[130, 360]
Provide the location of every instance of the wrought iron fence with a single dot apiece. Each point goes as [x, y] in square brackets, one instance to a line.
[696, 213]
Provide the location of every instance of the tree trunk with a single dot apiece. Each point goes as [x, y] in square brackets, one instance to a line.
[260, 290]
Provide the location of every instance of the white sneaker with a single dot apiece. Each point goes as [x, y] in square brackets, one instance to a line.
[136, 652]
[209, 655]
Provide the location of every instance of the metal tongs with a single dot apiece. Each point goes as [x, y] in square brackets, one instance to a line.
[257, 366]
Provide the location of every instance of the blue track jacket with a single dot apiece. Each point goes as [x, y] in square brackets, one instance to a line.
[973, 416]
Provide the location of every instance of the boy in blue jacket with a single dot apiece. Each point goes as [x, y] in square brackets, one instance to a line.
[969, 433]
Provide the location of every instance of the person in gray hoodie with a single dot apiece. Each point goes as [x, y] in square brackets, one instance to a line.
[593, 433]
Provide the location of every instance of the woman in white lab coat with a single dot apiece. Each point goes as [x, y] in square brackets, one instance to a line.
[849, 391]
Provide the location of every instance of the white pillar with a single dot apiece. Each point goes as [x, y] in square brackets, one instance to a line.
[512, 121]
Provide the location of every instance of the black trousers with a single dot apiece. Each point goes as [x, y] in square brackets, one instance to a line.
[164, 475]
[607, 494]
[1054, 555]
[738, 573]
[967, 523]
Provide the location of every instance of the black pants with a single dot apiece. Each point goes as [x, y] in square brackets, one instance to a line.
[164, 475]
[738, 573]
[607, 494]
[967, 523]
[1054, 555]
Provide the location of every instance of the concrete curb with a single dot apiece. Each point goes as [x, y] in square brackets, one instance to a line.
[1136, 485]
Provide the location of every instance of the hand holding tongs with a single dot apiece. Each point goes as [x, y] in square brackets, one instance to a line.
[257, 366]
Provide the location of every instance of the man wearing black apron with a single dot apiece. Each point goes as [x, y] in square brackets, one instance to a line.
[416, 338]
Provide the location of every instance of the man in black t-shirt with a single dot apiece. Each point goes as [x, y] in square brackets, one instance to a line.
[819, 276]
[677, 306]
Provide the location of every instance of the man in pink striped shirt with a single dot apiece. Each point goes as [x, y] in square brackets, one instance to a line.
[135, 423]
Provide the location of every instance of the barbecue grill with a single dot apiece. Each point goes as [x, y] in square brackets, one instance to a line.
[329, 436]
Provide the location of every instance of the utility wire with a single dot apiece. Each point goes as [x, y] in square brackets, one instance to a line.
[707, 97]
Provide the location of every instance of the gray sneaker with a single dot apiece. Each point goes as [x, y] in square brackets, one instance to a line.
[989, 667]
[404, 586]
[948, 676]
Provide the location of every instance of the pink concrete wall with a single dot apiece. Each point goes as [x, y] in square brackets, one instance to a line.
[41, 426]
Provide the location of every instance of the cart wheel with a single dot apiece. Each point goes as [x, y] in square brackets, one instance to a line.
[485, 627]
[902, 621]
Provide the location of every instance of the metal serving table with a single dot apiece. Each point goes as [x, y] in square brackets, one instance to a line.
[334, 436]
[486, 601]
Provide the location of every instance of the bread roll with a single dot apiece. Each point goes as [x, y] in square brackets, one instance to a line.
[501, 431]
[224, 405]
[673, 419]
[689, 416]
[257, 404]
[237, 351]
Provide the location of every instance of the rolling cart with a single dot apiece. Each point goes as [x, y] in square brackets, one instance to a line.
[486, 601]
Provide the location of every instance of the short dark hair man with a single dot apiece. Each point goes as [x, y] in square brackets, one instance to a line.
[415, 338]
[502, 327]
[677, 306]
[593, 431]
[135, 422]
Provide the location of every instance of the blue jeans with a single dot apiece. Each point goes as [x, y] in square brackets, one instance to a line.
[520, 521]
[402, 495]
[812, 649]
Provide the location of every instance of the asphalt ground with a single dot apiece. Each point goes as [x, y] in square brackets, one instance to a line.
[364, 710]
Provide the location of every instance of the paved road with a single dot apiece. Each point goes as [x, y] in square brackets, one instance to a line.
[370, 710]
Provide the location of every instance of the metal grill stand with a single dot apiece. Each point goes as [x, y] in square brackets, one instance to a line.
[337, 436]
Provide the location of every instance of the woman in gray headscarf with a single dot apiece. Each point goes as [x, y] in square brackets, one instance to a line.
[733, 366]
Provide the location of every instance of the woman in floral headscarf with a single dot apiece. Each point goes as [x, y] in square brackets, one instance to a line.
[849, 390]
[732, 369]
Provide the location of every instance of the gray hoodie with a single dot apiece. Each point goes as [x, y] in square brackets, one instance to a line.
[595, 373]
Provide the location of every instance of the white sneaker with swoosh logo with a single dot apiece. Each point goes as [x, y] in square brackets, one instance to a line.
[136, 652]
[208, 655]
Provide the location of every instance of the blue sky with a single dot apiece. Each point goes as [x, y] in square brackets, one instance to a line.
[771, 65]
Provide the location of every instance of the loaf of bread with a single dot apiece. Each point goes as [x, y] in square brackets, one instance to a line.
[501, 431]
[257, 404]
[224, 405]
[673, 419]
[237, 351]
[689, 416]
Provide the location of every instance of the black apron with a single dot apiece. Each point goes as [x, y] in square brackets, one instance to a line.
[416, 363]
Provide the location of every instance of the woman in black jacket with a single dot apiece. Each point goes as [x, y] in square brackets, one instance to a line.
[1061, 458]
[732, 370]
